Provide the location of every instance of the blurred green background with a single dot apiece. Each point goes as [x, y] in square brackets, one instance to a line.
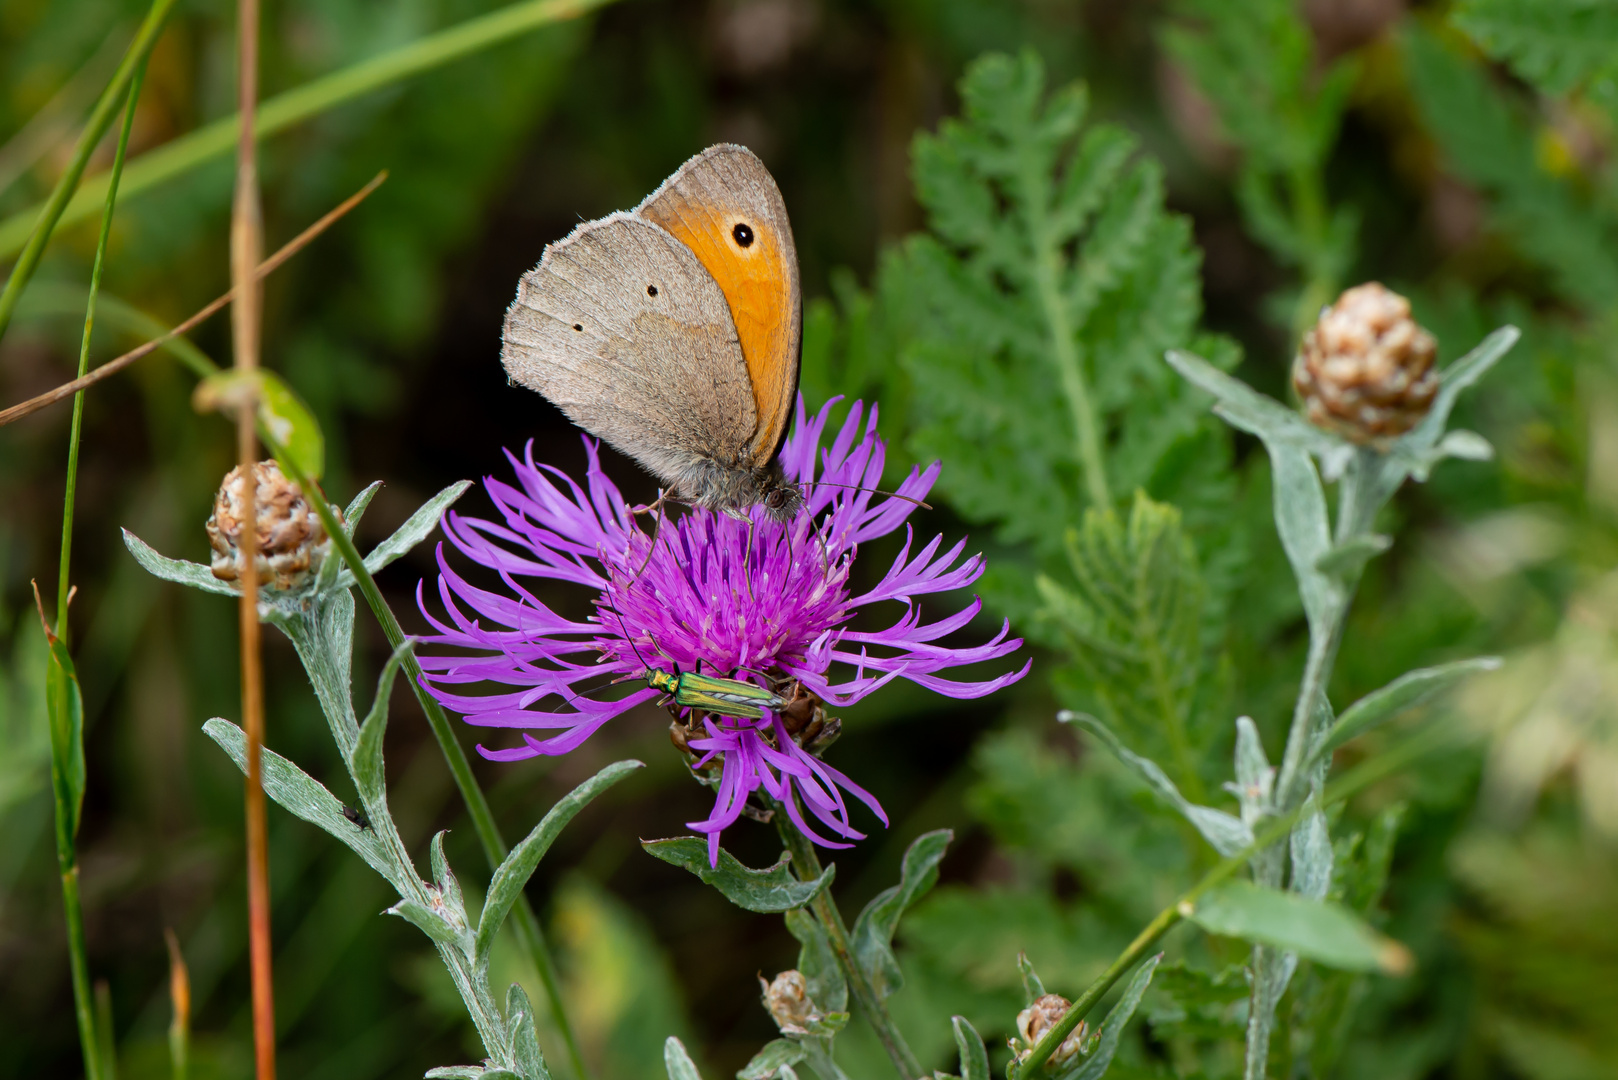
[1472, 174]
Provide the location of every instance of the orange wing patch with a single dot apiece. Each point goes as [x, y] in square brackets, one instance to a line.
[747, 259]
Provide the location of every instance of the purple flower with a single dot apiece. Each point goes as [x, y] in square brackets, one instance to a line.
[749, 599]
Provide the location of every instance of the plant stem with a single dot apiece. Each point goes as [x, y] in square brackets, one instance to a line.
[40, 224]
[67, 855]
[246, 251]
[311, 99]
[1344, 787]
[477, 805]
[870, 1003]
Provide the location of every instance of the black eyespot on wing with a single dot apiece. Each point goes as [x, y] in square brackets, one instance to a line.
[651, 290]
[578, 326]
[743, 234]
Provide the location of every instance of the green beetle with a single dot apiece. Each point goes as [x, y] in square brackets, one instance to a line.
[706, 693]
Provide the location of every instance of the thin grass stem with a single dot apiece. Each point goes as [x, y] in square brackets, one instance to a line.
[36, 225]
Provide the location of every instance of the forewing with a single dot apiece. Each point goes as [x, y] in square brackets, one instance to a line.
[702, 204]
[624, 330]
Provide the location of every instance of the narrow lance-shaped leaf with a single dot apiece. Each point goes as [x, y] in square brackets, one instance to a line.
[297, 791]
[1323, 932]
[1227, 833]
[369, 774]
[65, 703]
[525, 1052]
[872, 936]
[770, 890]
[178, 571]
[416, 528]
[817, 962]
[1112, 1028]
[678, 1062]
[431, 922]
[1405, 692]
[974, 1056]
[513, 873]
[1033, 987]
[768, 1062]
[443, 877]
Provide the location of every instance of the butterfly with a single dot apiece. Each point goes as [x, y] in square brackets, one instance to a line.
[674, 330]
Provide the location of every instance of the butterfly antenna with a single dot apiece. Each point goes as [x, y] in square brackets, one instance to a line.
[874, 491]
[657, 532]
[747, 562]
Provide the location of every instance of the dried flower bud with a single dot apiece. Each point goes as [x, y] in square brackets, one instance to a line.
[1034, 1021]
[291, 541]
[787, 999]
[1365, 369]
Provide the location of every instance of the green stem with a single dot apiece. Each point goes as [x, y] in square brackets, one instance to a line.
[37, 225]
[1345, 787]
[311, 99]
[66, 850]
[870, 1003]
[477, 805]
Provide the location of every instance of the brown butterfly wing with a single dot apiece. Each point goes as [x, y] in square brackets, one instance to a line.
[622, 328]
[724, 205]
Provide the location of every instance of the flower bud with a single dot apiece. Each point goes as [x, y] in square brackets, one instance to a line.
[1034, 1021]
[787, 999]
[291, 541]
[1366, 369]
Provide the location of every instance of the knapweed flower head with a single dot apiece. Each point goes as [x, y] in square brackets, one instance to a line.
[764, 602]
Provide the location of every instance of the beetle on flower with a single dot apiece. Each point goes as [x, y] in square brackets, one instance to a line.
[747, 599]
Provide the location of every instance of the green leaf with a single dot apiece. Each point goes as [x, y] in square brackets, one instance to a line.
[1227, 833]
[974, 1056]
[1347, 559]
[525, 1052]
[298, 792]
[768, 1062]
[1319, 931]
[179, 571]
[872, 936]
[444, 878]
[817, 962]
[1112, 1028]
[356, 509]
[1030, 317]
[1033, 988]
[470, 1072]
[518, 866]
[417, 528]
[1406, 692]
[1555, 44]
[773, 889]
[282, 415]
[435, 924]
[678, 1062]
[369, 774]
[1134, 626]
[64, 704]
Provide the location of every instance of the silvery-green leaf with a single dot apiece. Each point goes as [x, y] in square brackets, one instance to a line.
[1326, 933]
[431, 922]
[1311, 855]
[1247, 409]
[1033, 987]
[1255, 778]
[1466, 445]
[176, 570]
[678, 1062]
[356, 509]
[1227, 833]
[519, 864]
[419, 526]
[1300, 518]
[872, 936]
[1347, 559]
[768, 1062]
[974, 1057]
[1405, 692]
[817, 962]
[444, 877]
[470, 1072]
[369, 773]
[525, 1050]
[300, 793]
[773, 889]
[1271, 970]
[1112, 1028]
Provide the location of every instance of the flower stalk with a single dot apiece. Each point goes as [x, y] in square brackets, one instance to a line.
[870, 1004]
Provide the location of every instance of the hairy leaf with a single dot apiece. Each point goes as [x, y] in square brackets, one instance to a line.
[1320, 931]
[1406, 692]
[817, 962]
[872, 935]
[678, 1062]
[768, 1062]
[974, 1056]
[369, 774]
[1095, 1065]
[772, 889]
[525, 1051]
